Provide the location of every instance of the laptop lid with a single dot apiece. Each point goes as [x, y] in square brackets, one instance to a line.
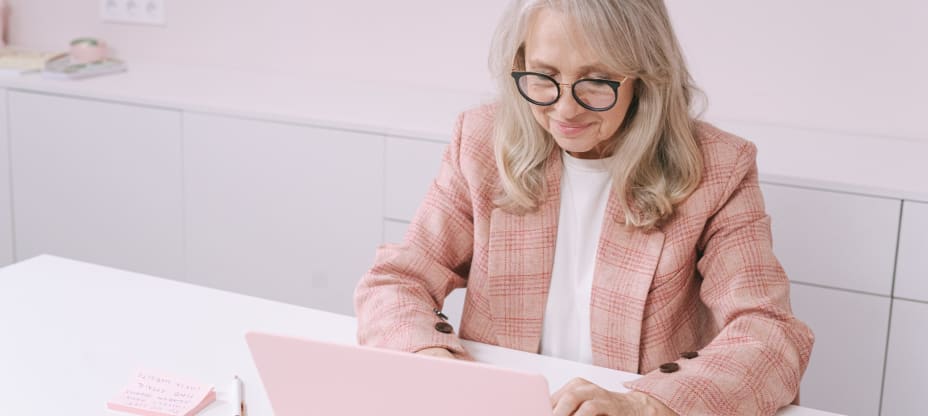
[307, 377]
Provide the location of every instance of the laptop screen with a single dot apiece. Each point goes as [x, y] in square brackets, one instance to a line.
[307, 377]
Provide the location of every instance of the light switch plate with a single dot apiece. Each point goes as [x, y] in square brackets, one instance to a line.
[145, 12]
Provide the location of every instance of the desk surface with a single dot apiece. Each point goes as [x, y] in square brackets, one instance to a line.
[73, 332]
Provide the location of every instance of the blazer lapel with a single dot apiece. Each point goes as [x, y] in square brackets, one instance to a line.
[520, 261]
[625, 264]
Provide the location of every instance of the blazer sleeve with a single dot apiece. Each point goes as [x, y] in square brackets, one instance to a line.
[395, 300]
[754, 364]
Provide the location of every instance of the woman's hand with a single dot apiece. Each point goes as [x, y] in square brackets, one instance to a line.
[436, 352]
[580, 397]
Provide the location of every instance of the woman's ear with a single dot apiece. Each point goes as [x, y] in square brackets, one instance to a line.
[518, 62]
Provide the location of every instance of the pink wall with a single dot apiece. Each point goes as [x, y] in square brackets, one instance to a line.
[856, 67]
[848, 66]
[403, 40]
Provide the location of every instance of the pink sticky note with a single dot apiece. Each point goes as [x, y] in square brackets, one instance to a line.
[152, 394]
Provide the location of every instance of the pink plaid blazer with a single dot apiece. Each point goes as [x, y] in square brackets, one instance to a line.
[706, 281]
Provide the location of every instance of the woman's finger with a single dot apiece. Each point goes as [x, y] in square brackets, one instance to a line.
[568, 386]
[596, 407]
[571, 396]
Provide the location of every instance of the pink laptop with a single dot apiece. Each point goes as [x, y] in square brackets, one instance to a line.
[306, 377]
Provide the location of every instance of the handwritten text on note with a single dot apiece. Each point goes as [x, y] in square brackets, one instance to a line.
[152, 394]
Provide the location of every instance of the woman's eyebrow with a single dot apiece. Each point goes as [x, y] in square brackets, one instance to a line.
[586, 69]
[534, 63]
[583, 70]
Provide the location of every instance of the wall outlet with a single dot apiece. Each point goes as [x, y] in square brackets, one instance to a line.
[145, 12]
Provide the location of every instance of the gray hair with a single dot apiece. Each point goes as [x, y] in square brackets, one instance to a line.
[658, 163]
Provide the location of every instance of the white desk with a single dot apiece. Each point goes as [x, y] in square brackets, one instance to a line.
[73, 332]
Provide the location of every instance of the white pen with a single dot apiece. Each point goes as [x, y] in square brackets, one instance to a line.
[236, 391]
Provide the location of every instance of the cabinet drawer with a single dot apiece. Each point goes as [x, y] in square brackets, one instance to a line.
[273, 211]
[912, 265]
[6, 197]
[98, 182]
[411, 166]
[906, 363]
[846, 368]
[834, 239]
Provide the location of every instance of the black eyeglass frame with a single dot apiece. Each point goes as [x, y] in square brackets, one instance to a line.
[517, 75]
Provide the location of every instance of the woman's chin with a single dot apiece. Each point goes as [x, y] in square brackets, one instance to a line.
[574, 146]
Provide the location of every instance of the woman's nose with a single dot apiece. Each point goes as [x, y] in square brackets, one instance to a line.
[567, 107]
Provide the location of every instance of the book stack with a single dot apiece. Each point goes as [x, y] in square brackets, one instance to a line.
[14, 62]
[64, 67]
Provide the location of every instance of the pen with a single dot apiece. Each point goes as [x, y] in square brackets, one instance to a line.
[236, 391]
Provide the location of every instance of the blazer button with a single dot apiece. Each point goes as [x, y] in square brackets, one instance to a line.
[670, 367]
[444, 327]
[440, 314]
[690, 355]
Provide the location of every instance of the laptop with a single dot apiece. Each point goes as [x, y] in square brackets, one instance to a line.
[307, 377]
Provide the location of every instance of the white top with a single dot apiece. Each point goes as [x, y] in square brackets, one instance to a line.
[585, 186]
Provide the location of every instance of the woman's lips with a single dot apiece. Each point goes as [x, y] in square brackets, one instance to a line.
[570, 129]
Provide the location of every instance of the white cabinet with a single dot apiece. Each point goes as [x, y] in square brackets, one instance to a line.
[394, 231]
[294, 213]
[97, 181]
[6, 201]
[411, 166]
[906, 364]
[912, 266]
[834, 239]
[281, 211]
[846, 368]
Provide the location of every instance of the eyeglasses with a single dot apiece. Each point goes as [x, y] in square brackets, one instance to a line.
[592, 94]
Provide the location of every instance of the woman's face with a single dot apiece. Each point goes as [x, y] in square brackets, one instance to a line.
[556, 48]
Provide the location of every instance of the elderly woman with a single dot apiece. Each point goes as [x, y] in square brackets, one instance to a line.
[592, 217]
